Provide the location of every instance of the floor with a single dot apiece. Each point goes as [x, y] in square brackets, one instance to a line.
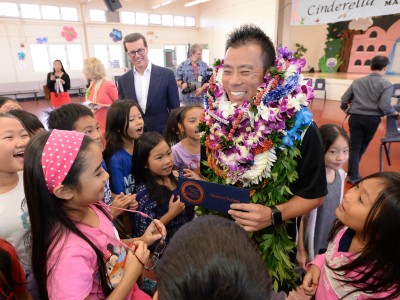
[327, 111]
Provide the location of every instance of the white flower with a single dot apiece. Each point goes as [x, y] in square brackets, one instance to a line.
[263, 163]
[227, 108]
[292, 69]
[218, 78]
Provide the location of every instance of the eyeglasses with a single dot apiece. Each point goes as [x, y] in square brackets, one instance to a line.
[156, 255]
[152, 262]
[140, 51]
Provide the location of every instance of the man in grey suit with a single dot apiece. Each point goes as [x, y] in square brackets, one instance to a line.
[152, 87]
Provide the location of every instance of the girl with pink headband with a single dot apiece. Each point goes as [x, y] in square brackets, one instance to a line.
[76, 250]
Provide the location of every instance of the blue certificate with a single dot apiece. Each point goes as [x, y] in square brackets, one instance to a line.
[211, 195]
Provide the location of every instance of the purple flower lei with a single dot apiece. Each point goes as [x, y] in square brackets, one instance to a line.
[276, 116]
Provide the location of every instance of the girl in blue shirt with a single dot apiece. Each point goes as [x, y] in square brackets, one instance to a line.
[157, 192]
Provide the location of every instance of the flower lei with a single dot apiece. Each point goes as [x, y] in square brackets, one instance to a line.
[255, 145]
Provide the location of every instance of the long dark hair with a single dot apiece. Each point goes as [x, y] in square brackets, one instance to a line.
[143, 145]
[379, 261]
[220, 269]
[62, 66]
[49, 219]
[117, 124]
[171, 132]
[329, 134]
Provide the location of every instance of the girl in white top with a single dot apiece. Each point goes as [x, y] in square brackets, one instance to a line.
[14, 221]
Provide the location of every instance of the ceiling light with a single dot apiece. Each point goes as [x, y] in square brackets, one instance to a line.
[195, 2]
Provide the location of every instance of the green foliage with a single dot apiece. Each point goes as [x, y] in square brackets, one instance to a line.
[325, 69]
[300, 51]
[333, 48]
[274, 244]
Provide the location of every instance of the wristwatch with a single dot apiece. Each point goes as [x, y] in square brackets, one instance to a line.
[276, 216]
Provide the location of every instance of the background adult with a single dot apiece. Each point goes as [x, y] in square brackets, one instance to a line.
[366, 100]
[59, 83]
[153, 87]
[191, 77]
[101, 92]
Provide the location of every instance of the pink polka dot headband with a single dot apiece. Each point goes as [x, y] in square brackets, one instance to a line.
[59, 154]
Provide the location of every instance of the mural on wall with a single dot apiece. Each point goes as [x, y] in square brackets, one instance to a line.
[355, 43]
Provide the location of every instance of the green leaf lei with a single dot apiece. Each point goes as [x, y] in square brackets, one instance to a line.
[274, 243]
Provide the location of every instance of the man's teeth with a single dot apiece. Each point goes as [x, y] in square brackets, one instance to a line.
[238, 94]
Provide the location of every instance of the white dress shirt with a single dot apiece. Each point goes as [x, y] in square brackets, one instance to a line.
[142, 83]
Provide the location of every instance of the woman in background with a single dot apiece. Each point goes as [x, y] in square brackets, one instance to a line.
[101, 92]
[59, 83]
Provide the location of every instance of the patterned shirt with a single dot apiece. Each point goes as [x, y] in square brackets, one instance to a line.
[150, 207]
[186, 73]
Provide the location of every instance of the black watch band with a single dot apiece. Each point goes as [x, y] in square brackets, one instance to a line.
[276, 216]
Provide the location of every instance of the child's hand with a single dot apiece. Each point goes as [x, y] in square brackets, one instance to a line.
[301, 258]
[137, 258]
[152, 232]
[310, 281]
[175, 207]
[187, 173]
[121, 201]
[134, 204]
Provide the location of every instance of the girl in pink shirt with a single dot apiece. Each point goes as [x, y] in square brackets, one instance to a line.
[362, 260]
[76, 251]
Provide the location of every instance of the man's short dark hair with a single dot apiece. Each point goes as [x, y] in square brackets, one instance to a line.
[133, 37]
[250, 34]
[379, 62]
[66, 116]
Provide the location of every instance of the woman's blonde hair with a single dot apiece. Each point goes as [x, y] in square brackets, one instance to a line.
[94, 68]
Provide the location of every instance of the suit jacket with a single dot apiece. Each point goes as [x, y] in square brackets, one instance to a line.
[162, 96]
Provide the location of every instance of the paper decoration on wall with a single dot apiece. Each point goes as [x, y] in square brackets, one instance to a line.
[69, 33]
[21, 55]
[116, 35]
[41, 40]
[361, 24]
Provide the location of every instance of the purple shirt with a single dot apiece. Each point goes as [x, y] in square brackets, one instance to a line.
[184, 159]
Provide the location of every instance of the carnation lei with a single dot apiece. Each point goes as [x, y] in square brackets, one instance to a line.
[255, 145]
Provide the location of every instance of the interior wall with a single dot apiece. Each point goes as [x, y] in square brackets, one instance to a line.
[215, 19]
[312, 37]
[15, 31]
[219, 17]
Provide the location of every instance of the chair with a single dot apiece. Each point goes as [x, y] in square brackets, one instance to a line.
[320, 86]
[311, 80]
[392, 136]
[396, 92]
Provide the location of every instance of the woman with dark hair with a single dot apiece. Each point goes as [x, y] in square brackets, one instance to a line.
[362, 260]
[212, 258]
[59, 83]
